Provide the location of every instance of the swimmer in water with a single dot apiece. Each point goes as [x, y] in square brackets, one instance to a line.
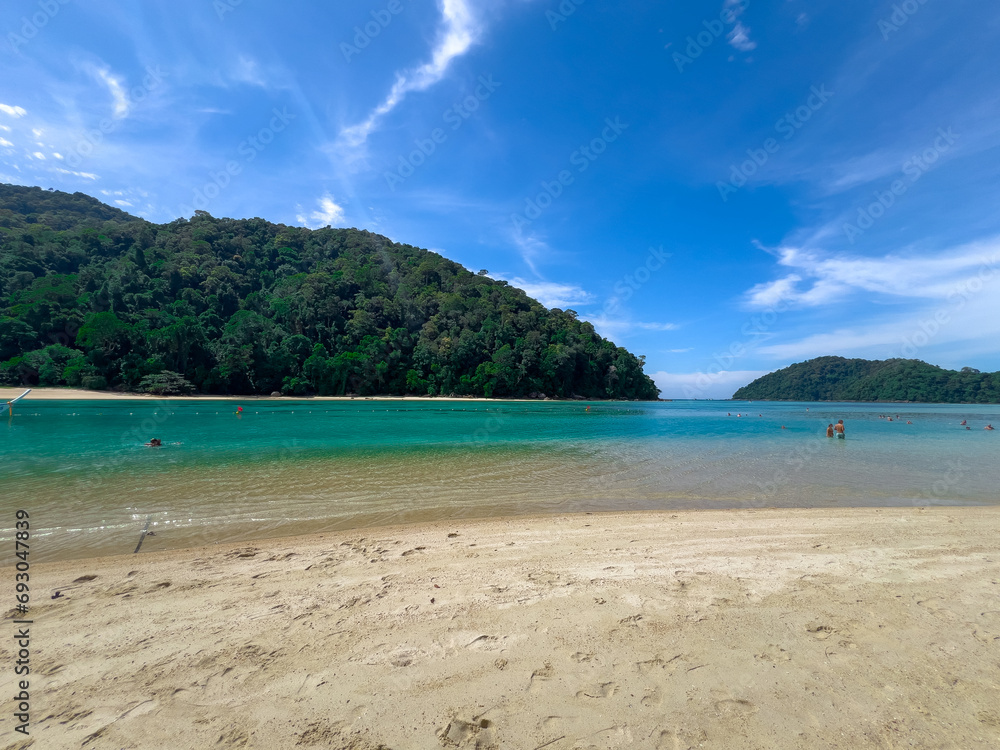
[839, 429]
[829, 430]
[963, 422]
[154, 443]
[988, 427]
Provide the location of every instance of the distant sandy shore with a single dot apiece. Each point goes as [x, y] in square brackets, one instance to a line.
[750, 629]
[77, 394]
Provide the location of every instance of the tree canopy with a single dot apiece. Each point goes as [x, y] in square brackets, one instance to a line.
[93, 297]
[839, 379]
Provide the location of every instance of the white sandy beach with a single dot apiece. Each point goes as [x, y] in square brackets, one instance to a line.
[78, 394]
[854, 628]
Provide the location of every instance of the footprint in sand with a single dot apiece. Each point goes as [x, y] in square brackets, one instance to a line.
[659, 665]
[681, 739]
[478, 733]
[602, 690]
[735, 708]
[773, 653]
[652, 699]
[819, 631]
[936, 606]
[540, 677]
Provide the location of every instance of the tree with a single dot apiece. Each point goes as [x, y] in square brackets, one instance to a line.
[166, 383]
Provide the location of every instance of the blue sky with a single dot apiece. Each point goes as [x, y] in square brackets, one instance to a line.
[726, 187]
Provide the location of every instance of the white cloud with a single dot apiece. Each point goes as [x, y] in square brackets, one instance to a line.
[124, 204]
[327, 213]
[712, 384]
[39, 155]
[37, 132]
[57, 155]
[739, 37]
[657, 326]
[819, 280]
[13, 111]
[458, 33]
[613, 328]
[5, 142]
[550, 293]
[85, 175]
[118, 95]
[247, 71]
[531, 248]
[5, 128]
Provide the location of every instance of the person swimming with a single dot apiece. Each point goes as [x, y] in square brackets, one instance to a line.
[829, 430]
[154, 443]
[988, 427]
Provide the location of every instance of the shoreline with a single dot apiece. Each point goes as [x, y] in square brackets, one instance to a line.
[755, 628]
[78, 394]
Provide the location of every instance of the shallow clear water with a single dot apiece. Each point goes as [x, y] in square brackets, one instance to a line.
[286, 467]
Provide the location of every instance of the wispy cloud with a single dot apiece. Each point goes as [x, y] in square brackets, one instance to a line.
[13, 111]
[118, 95]
[615, 327]
[550, 293]
[5, 142]
[85, 175]
[739, 36]
[459, 32]
[328, 213]
[531, 248]
[818, 280]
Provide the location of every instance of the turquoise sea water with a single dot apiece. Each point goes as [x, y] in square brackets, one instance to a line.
[286, 467]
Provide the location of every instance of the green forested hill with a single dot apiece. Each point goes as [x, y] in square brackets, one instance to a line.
[93, 297]
[839, 379]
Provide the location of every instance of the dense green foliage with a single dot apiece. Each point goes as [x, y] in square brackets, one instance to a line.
[93, 297]
[839, 379]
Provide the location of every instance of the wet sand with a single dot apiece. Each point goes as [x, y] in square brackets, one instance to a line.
[853, 628]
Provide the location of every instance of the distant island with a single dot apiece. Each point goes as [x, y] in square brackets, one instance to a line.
[93, 297]
[840, 379]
